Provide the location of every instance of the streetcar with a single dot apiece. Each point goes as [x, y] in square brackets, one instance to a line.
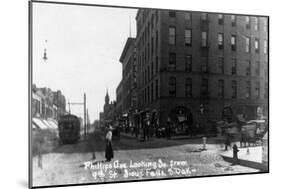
[69, 129]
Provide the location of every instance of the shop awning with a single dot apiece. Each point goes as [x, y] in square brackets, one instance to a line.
[53, 123]
[39, 123]
[256, 121]
[48, 124]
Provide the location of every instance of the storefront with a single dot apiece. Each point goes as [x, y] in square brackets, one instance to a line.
[181, 120]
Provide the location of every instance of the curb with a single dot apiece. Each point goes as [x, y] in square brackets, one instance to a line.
[260, 166]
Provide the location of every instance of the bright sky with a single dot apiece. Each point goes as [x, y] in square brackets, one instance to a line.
[84, 44]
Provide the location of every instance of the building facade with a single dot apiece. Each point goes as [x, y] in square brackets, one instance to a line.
[129, 78]
[47, 104]
[129, 84]
[101, 119]
[195, 68]
[119, 100]
[109, 111]
[59, 102]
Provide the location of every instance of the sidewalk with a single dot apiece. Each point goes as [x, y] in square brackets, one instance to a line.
[180, 137]
[250, 157]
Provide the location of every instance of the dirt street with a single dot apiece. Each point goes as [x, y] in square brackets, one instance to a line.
[132, 160]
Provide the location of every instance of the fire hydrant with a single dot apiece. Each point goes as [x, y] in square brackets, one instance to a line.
[235, 152]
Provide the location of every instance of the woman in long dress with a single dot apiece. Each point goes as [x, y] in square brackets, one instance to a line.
[108, 147]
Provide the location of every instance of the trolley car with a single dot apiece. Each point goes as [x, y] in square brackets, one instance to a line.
[69, 129]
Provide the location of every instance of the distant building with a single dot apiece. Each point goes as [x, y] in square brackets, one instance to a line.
[101, 119]
[129, 82]
[60, 102]
[48, 111]
[195, 68]
[108, 113]
[36, 103]
[129, 76]
[119, 99]
[46, 103]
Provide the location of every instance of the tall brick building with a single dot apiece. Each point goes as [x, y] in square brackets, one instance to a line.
[129, 78]
[119, 100]
[196, 68]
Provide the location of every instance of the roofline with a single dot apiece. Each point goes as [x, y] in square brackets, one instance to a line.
[138, 13]
[119, 85]
[129, 41]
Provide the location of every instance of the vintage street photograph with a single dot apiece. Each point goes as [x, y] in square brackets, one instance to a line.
[126, 94]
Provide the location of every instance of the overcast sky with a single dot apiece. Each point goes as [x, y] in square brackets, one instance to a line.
[84, 44]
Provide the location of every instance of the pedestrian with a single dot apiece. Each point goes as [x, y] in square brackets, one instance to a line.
[157, 129]
[108, 147]
[148, 129]
[144, 130]
[227, 143]
[40, 157]
[168, 130]
[135, 131]
[118, 132]
[242, 140]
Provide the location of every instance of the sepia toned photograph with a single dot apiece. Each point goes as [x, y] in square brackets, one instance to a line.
[123, 94]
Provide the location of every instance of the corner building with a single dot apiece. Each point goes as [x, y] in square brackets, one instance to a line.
[198, 68]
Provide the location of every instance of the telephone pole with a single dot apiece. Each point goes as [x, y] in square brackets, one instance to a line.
[85, 113]
[85, 119]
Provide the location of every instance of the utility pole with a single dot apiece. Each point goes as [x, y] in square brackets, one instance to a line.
[85, 113]
[85, 119]
[69, 111]
[88, 122]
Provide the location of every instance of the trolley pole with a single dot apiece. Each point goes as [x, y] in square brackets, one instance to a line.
[85, 113]
[88, 122]
[85, 120]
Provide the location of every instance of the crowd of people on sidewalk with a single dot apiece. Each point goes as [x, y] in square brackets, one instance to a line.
[149, 129]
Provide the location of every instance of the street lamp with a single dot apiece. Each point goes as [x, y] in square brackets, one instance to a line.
[45, 58]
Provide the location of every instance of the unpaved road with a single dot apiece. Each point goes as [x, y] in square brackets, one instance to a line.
[66, 164]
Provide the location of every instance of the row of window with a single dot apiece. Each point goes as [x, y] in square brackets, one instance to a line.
[220, 43]
[145, 36]
[220, 65]
[154, 18]
[204, 60]
[148, 47]
[221, 88]
[149, 93]
[204, 16]
[251, 68]
[150, 71]
[248, 23]
[151, 44]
